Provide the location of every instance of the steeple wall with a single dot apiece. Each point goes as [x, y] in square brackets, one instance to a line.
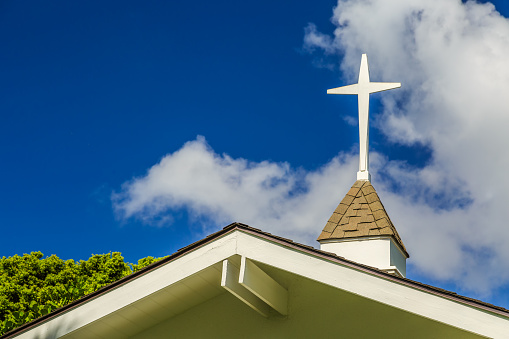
[380, 252]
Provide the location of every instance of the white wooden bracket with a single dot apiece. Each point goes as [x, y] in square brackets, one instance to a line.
[254, 287]
[230, 281]
[263, 286]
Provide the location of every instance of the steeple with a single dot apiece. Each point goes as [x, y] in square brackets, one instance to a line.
[360, 229]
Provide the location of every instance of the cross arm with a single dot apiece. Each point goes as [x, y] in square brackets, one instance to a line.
[382, 86]
[350, 89]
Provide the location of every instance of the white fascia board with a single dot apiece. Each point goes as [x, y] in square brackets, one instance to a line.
[136, 289]
[386, 291]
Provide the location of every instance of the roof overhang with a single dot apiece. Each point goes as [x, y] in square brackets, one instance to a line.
[192, 276]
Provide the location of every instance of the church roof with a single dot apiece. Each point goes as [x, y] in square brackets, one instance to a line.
[360, 214]
[220, 249]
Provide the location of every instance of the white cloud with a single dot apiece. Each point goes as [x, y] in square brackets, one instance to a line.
[350, 120]
[220, 189]
[314, 39]
[451, 58]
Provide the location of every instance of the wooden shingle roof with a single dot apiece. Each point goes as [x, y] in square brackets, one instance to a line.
[360, 214]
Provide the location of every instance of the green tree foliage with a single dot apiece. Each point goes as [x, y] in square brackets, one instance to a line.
[142, 263]
[32, 286]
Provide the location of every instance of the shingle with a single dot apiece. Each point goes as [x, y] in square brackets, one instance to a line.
[337, 234]
[355, 206]
[341, 209]
[379, 214]
[352, 226]
[374, 226]
[375, 206]
[374, 232]
[372, 197]
[347, 200]
[329, 227]
[360, 200]
[335, 217]
[364, 228]
[381, 223]
[324, 235]
[366, 216]
[351, 212]
[353, 234]
[367, 189]
[354, 220]
[353, 191]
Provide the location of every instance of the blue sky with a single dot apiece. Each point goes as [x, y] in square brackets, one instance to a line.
[94, 94]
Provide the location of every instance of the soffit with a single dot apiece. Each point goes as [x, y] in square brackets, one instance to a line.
[155, 308]
[176, 308]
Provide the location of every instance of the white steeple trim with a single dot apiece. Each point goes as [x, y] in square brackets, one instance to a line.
[363, 89]
[380, 252]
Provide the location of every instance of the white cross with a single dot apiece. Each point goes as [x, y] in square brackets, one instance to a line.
[362, 89]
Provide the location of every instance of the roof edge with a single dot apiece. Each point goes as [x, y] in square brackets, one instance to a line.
[270, 237]
[120, 282]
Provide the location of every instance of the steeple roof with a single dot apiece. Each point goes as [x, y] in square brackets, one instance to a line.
[360, 214]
